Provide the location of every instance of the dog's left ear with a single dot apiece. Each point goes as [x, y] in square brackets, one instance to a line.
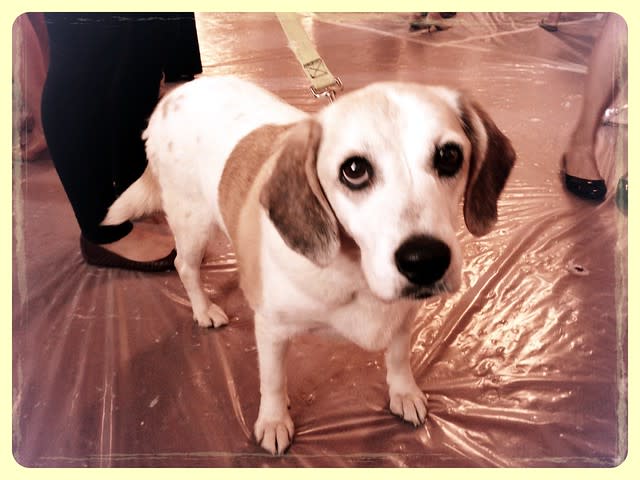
[295, 200]
[492, 157]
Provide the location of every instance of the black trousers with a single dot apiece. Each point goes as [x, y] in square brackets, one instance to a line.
[102, 85]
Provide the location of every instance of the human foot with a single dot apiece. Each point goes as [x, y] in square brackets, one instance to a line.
[579, 161]
[550, 22]
[147, 248]
[145, 243]
[581, 176]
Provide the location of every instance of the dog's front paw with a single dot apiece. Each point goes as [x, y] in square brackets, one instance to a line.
[274, 435]
[411, 406]
[212, 316]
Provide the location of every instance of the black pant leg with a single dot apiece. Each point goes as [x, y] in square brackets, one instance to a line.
[102, 85]
[183, 50]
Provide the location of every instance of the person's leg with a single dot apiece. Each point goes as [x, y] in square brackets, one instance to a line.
[607, 60]
[102, 84]
[74, 103]
[133, 94]
[183, 50]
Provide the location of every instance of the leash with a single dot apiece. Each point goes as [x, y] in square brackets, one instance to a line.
[323, 83]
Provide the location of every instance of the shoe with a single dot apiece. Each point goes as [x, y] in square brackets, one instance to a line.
[548, 27]
[99, 256]
[429, 26]
[593, 190]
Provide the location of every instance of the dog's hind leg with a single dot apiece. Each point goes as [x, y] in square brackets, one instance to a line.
[191, 243]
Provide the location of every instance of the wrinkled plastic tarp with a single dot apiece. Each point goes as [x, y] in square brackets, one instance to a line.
[525, 366]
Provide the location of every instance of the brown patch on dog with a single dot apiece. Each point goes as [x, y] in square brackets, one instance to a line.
[239, 192]
[294, 198]
[487, 174]
[240, 171]
[248, 241]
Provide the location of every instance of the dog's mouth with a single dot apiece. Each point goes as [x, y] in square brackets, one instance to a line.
[421, 292]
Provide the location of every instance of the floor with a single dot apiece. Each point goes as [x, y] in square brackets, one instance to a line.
[525, 366]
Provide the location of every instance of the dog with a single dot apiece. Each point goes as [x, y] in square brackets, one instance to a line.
[342, 221]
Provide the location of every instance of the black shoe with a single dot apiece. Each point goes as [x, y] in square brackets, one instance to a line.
[99, 256]
[593, 190]
[547, 26]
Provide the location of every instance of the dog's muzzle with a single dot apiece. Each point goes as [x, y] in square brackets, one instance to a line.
[423, 260]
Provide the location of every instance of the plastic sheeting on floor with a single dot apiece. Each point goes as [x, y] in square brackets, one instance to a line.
[525, 366]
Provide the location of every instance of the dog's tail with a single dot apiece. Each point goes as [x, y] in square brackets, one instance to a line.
[141, 198]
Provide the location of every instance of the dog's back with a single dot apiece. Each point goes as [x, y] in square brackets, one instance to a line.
[190, 135]
[194, 129]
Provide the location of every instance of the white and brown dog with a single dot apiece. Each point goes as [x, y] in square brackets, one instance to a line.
[341, 221]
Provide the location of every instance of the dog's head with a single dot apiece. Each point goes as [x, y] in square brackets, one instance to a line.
[385, 167]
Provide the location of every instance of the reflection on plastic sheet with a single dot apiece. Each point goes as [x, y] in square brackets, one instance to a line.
[524, 366]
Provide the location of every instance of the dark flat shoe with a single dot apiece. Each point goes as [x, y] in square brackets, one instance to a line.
[548, 27]
[99, 256]
[593, 190]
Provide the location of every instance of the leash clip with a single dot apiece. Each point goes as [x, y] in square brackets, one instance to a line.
[328, 91]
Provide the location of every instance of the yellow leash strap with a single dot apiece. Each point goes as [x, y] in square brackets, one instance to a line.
[317, 72]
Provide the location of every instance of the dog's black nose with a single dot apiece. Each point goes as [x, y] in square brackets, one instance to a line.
[423, 259]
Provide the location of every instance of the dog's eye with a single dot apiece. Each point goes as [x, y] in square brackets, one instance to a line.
[356, 172]
[448, 159]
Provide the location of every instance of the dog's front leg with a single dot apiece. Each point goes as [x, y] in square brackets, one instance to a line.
[274, 427]
[406, 398]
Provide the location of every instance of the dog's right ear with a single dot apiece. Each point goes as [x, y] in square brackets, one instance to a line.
[295, 201]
